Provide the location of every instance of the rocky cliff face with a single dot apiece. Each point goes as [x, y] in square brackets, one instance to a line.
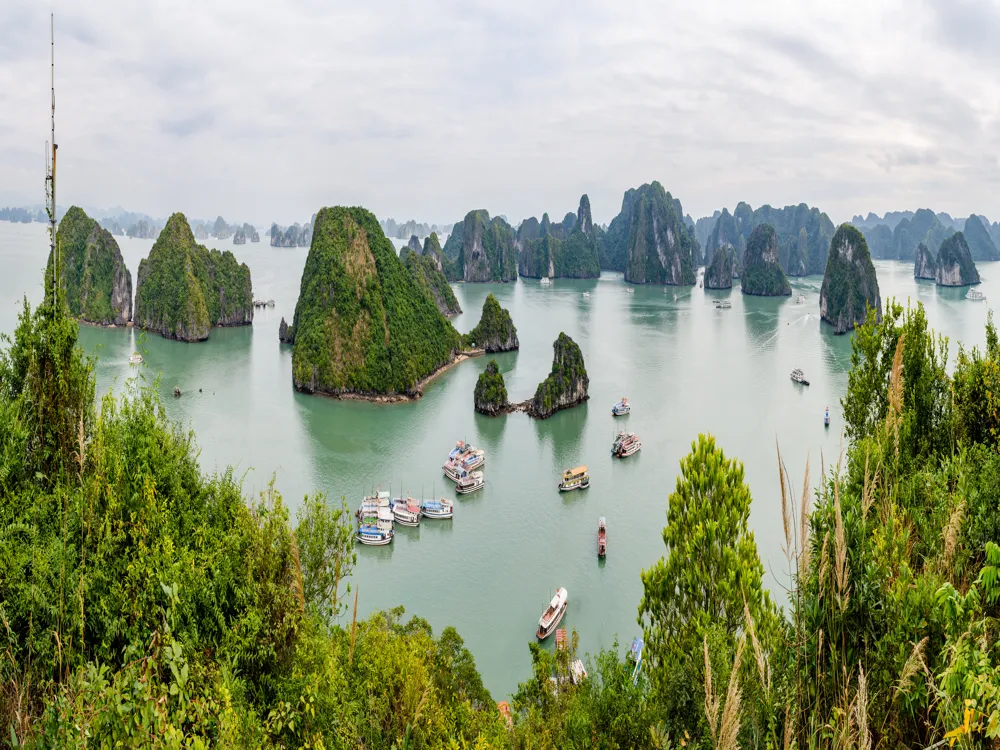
[239, 237]
[495, 332]
[569, 249]
[414, 244]
[286, 333]
[97, 285]
[566, 385]
[924, 266]
[432, 250]
[955, 266]
[849, 284]
[488, 250]
[183, 289]
[762, 275]
[659, 247]
[719, 274]
[490, 397]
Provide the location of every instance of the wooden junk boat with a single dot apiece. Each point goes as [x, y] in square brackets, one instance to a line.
[602, 537]
[406, 511]
[575, 479]
[552, 615]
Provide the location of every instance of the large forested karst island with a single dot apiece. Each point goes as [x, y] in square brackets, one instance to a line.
[183, 289]
[850, 286]
[804, 235]
[720, 272]
[651, 239]
[762, 274]
[570, 249]
[363, 327]
[97, 285]
[955, 266]
[481, 249]
[428, 275]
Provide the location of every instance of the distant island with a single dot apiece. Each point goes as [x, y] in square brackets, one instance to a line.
[398, 231]
[244, 233]
[898, 234]
[481, 249]
[762, 274]
[183, 289]
[566, 250]
[92, 272]
[850, 286]
[294, 236]
[955, 266]
[722, 269]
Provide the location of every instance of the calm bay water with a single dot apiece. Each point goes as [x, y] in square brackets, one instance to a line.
[685, 366]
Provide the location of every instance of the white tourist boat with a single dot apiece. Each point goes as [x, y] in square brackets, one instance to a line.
[586, 294]
[799, 377]
[975, 295]
[575, 479]
[629, 290]
[552, 615]
[135, 359]
[454, 469]
[621, 408]
[723, 304]
[377, 530]
[470, 482]
[443, 508]
[800, 300]
[545, 281]
[406, 511]
[625, 445]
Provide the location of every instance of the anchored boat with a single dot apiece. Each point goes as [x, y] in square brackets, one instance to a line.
[723, 304]
[800, 300]
[826, 417]
[545, 281]
[454, 469]
[975, 295]
[799, 377]
[621, 408]
[406, 511]
[602, 537]
[470, 482]
[552, 615]
[443, 508]
[376, 531]
[575, 479]
[626, 443]
[135, 359]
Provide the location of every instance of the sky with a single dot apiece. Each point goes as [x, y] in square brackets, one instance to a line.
[263, 111]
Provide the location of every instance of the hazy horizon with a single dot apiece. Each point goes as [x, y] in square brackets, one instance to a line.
[234, 109]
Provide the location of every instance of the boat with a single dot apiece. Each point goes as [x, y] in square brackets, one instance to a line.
[701, 284]
[621, 408]
[443, 508]
[552, 615]
[575, 479]
[470, 482]
[370, 505]
[800, 300]
[586, 294]
[460, 449]
[135, 359]
[626, 443]
[376, 531]
[629, 290]
[455, 469]
[675, 297]
[826, 417]
[602, 537]
[975, 295]
[799, 377]
[723, 304]
[545, 281]
[406, 511]
[635, 656]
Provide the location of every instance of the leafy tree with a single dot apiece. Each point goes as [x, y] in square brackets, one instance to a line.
[324, 537]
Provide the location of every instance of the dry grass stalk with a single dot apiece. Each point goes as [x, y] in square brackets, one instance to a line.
[861, 711]
[730, 724]
[711, 702]
[804, 521]
[824, 562]
[910, 668]
[763, 668]
[840, 547]
[785, 520]
[894, 414]
[951, 533]
[789, 727]
[297, 586]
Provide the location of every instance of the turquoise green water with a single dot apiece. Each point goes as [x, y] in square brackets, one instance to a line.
[685, 366]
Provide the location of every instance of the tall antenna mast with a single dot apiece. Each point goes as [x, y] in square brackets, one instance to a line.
[50, 178]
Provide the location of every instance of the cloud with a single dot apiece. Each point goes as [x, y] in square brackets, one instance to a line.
[261, 113]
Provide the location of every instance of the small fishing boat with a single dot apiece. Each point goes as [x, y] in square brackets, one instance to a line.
[135, 359]
[406, 511]
[552, 615]
[602, 537]
[975, 295]
[826, 417]
[626, 443]
[629, 290]
[443, 508]
[545, 281]
[575, 479]
[621, 408]
[800, 300]
[723, 304]
[799, 377]
[470, 482]
[376, 531]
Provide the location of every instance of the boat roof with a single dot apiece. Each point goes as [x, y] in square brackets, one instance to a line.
[384, 514]
[578, 470]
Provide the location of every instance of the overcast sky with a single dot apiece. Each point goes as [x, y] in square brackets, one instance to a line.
[427, 110]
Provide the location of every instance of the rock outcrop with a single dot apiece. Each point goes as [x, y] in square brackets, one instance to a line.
[925, 265]
[977, 236]
[293, 236]
[566, 250]
[239, 237]
[183, 289]
[762, 275]
[286, 333]
[490, 397]
[431, 281]
[483, 249]
[92, 272]
[251, 232]
[495, 331]
[566, 385]
[432, 250]
[849, 284]
[955, 266]
[658, 247]
[414, 244]
[719, 274]
[362, 325]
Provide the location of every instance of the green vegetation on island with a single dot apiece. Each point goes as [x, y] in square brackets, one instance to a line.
[431, 280]
[850, 286]
[495, 331]
[977, 236]
[92, 272]
[567, 250]
[955, 266]
[183, 289]
[481, 249]
[720, 272]
[363, 326]
[490, 397]
[566, 385]
[762, 274]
